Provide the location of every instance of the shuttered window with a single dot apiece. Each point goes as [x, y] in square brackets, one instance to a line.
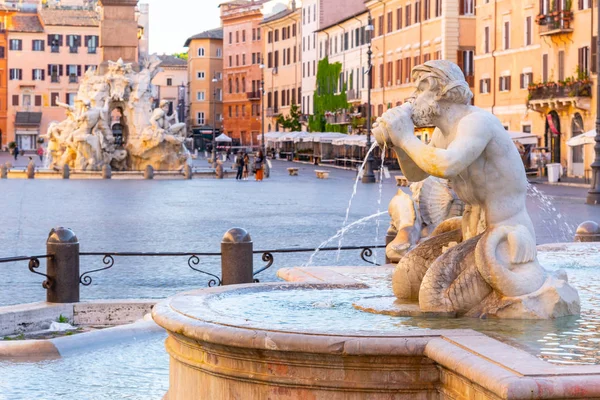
[561, 65]
[545, 68]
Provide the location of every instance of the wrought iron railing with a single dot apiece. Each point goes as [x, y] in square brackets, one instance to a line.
[193, 261]
[555, 90]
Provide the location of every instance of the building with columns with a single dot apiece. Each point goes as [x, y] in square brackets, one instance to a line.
[282, 65]
[205, 64]
[242, 55]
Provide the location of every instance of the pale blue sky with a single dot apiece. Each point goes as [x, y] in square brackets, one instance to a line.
[173, 21]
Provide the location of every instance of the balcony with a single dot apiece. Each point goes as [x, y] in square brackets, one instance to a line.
[353, 95]
[54, 79]
[337, 118]
[560, 96]
[73, 50]
[555, 23]
[54, 49]
[253, 95]
[272, 112]
[73, 79]
[91, 50]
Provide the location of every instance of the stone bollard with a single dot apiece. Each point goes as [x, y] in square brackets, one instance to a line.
[106, 172]
[236, 257]
[187, 171]
[219, 171]
[3, 172]
[149, 172]
[30, 170]
[589, 231]
[389, 236]
[66, 172]
[63, 266]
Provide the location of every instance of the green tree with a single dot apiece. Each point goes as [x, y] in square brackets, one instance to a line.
[329, 96]
[292, 121]
[183, 56]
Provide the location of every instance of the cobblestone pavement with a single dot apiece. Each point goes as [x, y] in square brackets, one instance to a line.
[281, 212]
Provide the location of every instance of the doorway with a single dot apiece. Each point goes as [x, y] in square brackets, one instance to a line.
[577, 168]
[553, 136]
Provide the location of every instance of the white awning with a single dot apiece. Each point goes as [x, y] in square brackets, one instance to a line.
[584, 138]
[223, 138]
[523, 137]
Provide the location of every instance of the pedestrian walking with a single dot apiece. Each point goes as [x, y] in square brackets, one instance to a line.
[228, 155]
[246, 166]
[258, 165]
[239, 163]
[40, 153]
[16, 152]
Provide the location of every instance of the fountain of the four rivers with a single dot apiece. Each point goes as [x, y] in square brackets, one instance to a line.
[409, 330]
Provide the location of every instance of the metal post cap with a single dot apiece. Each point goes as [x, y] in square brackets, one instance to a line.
[588, 227]
[62, 235]
[237, 235]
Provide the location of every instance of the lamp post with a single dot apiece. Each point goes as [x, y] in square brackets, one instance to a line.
[593, 196]
[369, 176]
[262, 106]
[214, 129]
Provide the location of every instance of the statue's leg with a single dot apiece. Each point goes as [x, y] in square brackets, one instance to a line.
[411, 269]
[453, 283]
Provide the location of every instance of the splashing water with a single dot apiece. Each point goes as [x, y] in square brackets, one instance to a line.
[555, 219]
[46, 159]
[379, 200]
[341, 233]
[358, 177]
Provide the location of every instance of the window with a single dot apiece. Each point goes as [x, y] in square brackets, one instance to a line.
[584, 4]
[73, 41]
[427, 9]
[257, 33]
[54, 99]
[526, 79]
[70, 98]
[506, 36]
[466, 62]
[200, 51]
[389, 73]
[230, 61]
[200, 96]
[219, 52]
[230, 37]
[407, 15]
[200, 75]
[169, 81]
[561, 65]
[200, 117]
[2, 52]
[230, 86]
[485, 85]
[244, 59]
[237, 36]
[253, 34]
[229, 111]
[15, 100]
[270, 37]
[16, 44]
[486, 40]
[237, 111]
[528, 33]
[417, 12]
[92, 43]
[55, 41]
[237, 60]
[545, 68]
[466, 7]
[389, 22]
[219, 95]
[38, 100]
[398, 72]
[243, 36]
[277, 35]
[37, 74]
[583, 62]
[37, 45]
[526, 128]
[219, 117]
[380, 25]
[438, 8]
[504, 84]
[73, 71]
[15, 74]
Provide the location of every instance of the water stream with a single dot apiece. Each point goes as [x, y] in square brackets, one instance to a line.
[379, 201]
[341, 233]
[552, 215]
[354, 188]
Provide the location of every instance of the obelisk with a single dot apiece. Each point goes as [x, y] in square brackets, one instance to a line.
[118, 31]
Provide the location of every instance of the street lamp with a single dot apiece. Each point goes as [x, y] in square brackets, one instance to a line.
[214, 129]
[593, 196]
[369, 176]
[262, 105]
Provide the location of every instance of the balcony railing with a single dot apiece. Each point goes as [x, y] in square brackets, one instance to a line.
[554, 90]
[54, 49]
[555, 23]
[253, 95]
[54, 78]
[272, 111]
[91, 50]
[352, 95]
[342, 118]
[74, 50]
[73, 79]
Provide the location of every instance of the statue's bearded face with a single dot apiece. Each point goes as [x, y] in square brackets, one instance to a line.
[426, 108]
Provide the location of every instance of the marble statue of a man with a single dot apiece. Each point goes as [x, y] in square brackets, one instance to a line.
[161, 121]
[471, 149]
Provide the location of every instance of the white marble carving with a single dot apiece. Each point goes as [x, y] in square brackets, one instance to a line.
[416, 216]
[494, 263]
[85, 141]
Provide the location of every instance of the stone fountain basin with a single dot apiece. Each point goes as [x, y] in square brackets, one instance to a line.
[261, 352]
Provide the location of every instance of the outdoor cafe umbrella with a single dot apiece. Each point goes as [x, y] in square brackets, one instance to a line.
[223, 138]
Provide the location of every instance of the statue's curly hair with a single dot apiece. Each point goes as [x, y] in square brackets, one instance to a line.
[446, 79]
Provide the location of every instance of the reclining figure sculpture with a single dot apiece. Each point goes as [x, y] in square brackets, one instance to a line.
[493, 268]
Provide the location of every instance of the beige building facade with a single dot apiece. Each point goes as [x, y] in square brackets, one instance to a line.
[48, 53]
[282, 65]
[205, 64]
[171, 84]
[408, 33]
